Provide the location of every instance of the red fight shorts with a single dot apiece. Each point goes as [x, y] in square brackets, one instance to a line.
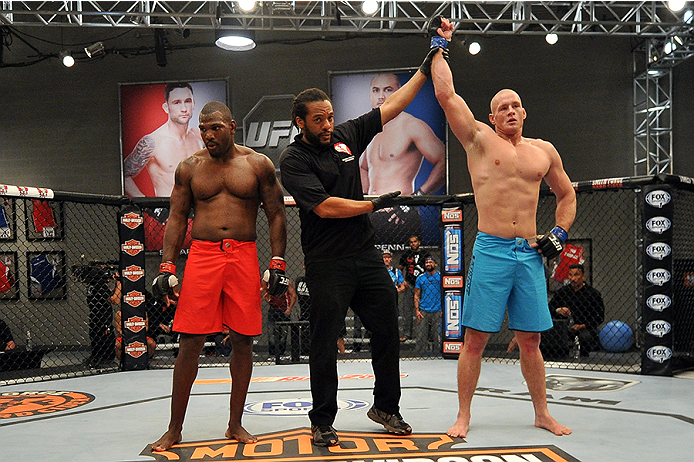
[220, 287]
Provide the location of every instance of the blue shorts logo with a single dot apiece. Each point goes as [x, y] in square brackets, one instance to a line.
[295, 407]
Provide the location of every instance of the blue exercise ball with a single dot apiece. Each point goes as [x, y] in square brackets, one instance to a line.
[616, 336]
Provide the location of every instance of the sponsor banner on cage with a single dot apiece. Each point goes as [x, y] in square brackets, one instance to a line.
[26, 192]
[452, 279]
[657, 325]
[131, 232]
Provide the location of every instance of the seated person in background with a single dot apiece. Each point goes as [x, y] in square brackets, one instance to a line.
[160, 316]
[6, 339]
[583, 305]
[280, 311]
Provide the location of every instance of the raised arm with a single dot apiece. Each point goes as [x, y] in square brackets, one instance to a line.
[403, 96]
[460, 117]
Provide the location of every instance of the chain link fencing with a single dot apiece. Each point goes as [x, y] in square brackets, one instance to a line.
[60, 276]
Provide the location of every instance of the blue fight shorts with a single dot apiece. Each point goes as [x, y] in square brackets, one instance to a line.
[505, 273]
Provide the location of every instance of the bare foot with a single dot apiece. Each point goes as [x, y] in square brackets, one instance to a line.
[167, 440]
[240, 434]
[459, 428]
[548, 423]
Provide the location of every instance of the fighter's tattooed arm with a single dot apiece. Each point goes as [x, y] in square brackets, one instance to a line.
[139, 157]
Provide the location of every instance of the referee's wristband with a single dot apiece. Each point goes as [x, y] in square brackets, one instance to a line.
[439, 42]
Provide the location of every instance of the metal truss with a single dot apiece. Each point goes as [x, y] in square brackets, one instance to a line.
[653, 122]
[668, 38]
[642, 18]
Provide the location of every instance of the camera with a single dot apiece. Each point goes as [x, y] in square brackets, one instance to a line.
[95, 272]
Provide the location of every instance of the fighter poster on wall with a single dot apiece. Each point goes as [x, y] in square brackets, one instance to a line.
[409, 155]
[159, 128]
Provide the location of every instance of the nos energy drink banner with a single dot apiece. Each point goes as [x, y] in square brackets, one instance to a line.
[657, 270]
[131, 232]
[452, 279]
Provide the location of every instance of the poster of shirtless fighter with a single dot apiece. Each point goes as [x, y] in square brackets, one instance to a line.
[409, 155]
[159, 128]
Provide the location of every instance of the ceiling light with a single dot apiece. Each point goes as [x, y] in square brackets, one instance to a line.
[369, 7]
[676, 5]
[551, 38]
[474, 47]
[67, 59]
[247, 5]
[235, 40]
[94, 50]
[687, 17]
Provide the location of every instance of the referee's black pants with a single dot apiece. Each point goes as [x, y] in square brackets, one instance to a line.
[362, 283]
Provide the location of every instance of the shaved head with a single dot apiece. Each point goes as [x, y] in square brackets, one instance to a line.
[505, 92]
[215, 106]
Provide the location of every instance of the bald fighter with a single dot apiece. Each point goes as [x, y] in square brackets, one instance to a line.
[506, 269]
[393, 159]
[162, 150]
[225, 183]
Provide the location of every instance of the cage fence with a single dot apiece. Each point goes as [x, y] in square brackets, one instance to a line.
[60, 276]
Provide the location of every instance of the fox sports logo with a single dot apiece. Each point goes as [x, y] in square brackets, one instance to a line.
[658, 224]
[658, 198]
[658, 250]
[658, 302]
[658, 328]
[659, 353]
[658, 276]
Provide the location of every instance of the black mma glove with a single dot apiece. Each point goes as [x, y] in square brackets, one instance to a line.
[275, 277]
[386, 200]
[433, 31]
[165, 282]
[552, 243]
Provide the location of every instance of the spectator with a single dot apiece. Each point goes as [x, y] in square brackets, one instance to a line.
[280, 311]
[412, 265]
[583, 306]
[6, 339]
[427, 302]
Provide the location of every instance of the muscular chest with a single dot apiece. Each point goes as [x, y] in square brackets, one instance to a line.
[524, 161]
[234, 178]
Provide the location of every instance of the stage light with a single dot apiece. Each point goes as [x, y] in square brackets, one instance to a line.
[687, 17]
[369, 7]
[551, 38]
[474, 47]
[67, 59]
[95, 50]
[247, 5]
[235, 40]
[676, 5]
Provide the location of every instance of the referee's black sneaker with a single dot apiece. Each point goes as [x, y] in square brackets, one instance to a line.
[392, 422]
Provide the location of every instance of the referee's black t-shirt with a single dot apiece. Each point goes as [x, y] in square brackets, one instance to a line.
[312, 174]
